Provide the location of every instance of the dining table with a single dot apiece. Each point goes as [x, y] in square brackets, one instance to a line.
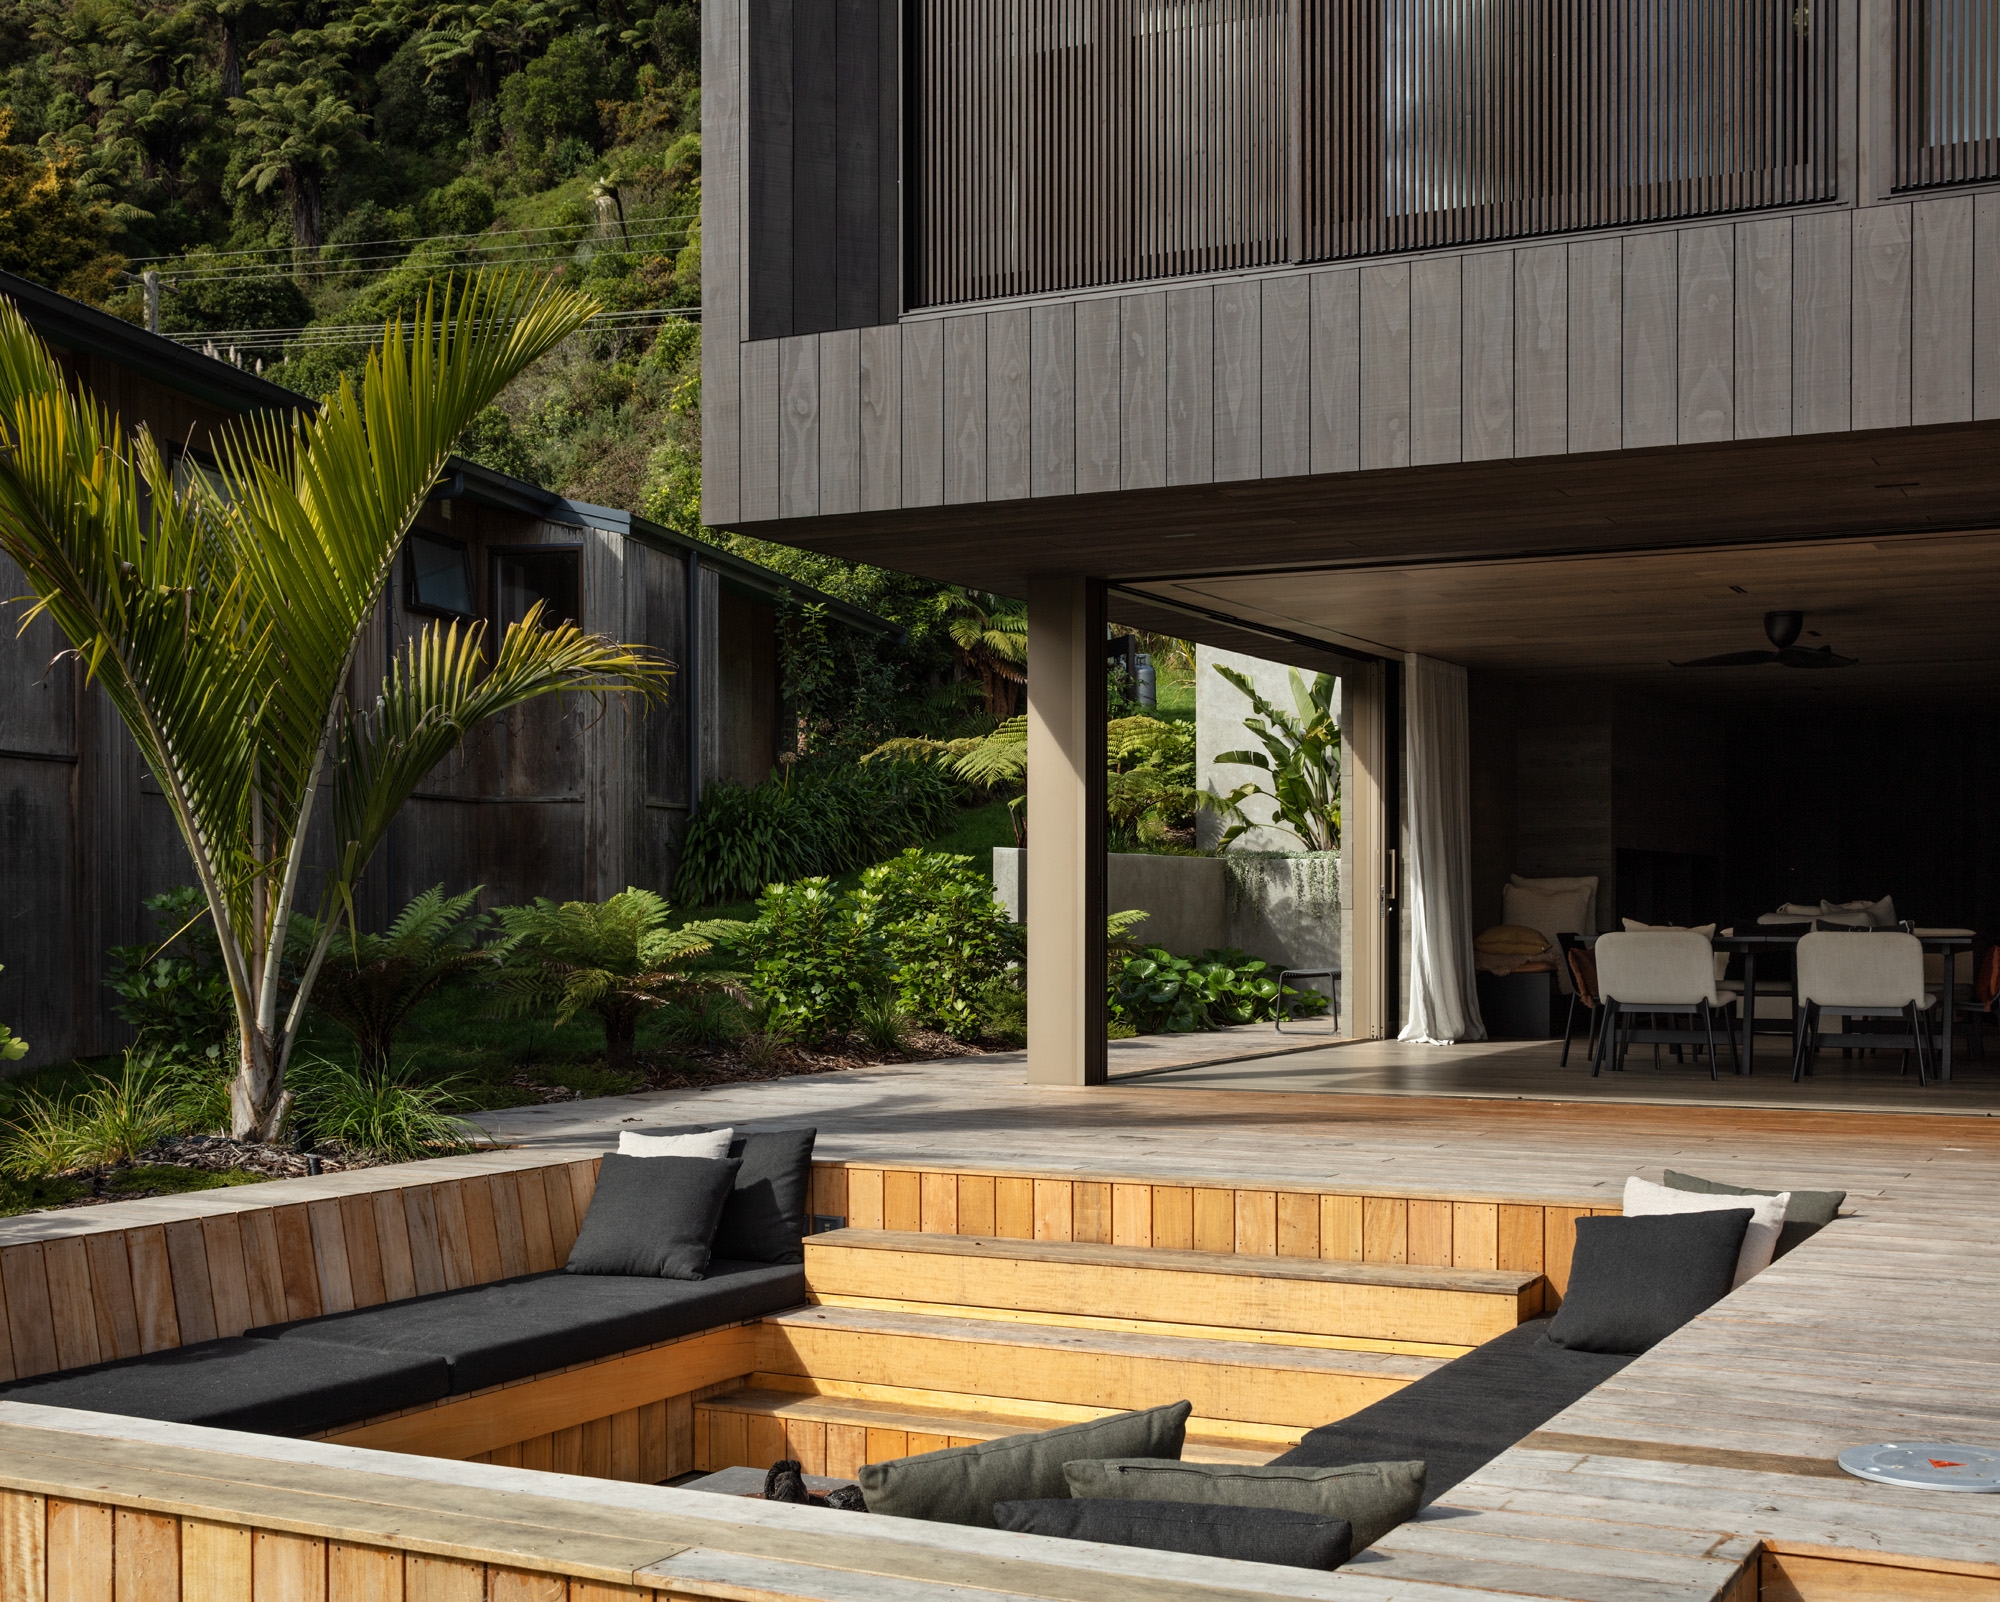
[1786, 936]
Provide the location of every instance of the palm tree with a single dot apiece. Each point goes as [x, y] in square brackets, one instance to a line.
[222, 620]
[989, 635]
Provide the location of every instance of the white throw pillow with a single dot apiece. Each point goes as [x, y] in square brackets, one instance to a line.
[711, 1143]
[1705, 930]
[1581, 881]
[1881, 914]
[1550, 913]
[1767, 1217]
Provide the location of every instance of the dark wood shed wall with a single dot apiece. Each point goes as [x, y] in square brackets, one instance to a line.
[824, 179]
[747, 701]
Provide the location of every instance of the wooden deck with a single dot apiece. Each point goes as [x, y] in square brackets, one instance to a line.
[1703, 1471]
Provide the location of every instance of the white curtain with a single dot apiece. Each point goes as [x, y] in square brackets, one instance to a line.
[1444, 996]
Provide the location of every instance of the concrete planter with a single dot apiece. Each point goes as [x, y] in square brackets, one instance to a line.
[1283, 906]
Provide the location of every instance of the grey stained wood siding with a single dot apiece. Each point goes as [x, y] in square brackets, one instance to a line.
[1752, 329]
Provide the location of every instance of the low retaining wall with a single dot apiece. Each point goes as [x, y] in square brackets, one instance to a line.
[1283, 906]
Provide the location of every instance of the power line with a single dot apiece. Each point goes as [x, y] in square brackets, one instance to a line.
[375, 266]
[410, 239]
[228, 343]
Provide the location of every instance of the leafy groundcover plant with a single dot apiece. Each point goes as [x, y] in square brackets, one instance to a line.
[1159, 993]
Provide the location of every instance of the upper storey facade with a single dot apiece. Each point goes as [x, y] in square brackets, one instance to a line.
[966, 253]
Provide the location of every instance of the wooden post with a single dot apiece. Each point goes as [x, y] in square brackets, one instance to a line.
[1366, 837]
[1065, 913]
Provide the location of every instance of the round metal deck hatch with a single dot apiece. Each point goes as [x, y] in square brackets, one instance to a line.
[1926, 1465]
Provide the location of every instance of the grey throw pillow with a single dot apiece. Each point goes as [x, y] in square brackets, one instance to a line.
[1372, 1497]
[1246, 1534]
[1634, 1281]
[765, 1218]
[652, 1216]
[960, 1484]
[1806, 1214]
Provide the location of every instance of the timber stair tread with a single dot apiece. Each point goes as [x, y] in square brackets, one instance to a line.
[1116, 1344]
[1162, 1259]
[957, 1423]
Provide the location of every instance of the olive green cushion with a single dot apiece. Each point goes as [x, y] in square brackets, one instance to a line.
[1373, 1497]
[1806, 1214]
[960, 1484]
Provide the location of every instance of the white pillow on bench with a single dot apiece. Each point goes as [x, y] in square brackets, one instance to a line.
[710, 1143]
[1767, 1218]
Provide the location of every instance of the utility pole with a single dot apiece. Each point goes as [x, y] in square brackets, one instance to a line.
[151, 280]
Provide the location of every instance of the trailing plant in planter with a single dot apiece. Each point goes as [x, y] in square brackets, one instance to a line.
[619, 959]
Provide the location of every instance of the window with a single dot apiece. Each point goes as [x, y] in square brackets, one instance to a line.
[438, 576]
[527, 574]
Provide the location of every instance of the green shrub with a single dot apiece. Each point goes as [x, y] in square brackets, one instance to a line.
[1001, 1006]
[816, 958]
[818, 820]
[618, 959]
[1159, 993]
[12, 1048]
[176, 993]
[393, 1114]
[943, 933]
[883, 1022]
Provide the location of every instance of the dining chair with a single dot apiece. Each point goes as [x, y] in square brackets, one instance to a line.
[1664, 971]
[1582, 992]
[1977, 1007]
[1879, 977]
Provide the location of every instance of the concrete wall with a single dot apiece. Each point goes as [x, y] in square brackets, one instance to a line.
[1281, 906]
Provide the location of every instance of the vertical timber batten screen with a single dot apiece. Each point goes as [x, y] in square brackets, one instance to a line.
[1066, 143]
[1947, 92]
[1444, 122]
[1063, 145]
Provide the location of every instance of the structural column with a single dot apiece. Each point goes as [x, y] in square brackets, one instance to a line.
[1065, 913]
[1365, 844]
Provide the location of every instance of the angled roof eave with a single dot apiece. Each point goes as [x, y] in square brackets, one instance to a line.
[731, 567]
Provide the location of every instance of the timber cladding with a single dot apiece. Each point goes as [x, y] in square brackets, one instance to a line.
[96, 1284]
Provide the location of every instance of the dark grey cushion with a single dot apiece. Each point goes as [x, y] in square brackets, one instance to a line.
[766, 1217]
[1247, 1534]
[960, 1484]
[1460, 1417]
[1634, 1281]
[653, 1216]
[1807, 1212]
[490, 1334]
[1372, 1497]
[241, 1384]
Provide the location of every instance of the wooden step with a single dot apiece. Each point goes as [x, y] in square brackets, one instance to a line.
[1453, 1308]
[835, 1435]
[996, 1366]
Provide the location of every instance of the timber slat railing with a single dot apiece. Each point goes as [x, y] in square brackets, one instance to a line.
[1061, 145]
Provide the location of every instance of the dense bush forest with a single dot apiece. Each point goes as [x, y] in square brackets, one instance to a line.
[294, 171]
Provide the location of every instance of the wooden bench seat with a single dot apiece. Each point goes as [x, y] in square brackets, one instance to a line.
[1448, 1310]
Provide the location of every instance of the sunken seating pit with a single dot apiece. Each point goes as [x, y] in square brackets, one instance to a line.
[1463, 1415]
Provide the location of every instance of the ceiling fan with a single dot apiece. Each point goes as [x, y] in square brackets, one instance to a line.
[1782, 629]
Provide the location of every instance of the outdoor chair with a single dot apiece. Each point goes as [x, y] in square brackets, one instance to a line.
[1583, 993]
[1879, 976]
[1657, 972]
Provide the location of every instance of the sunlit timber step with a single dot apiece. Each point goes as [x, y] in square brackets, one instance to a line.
[1391, 1303]
[755, 1427]
[1020, 1365]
